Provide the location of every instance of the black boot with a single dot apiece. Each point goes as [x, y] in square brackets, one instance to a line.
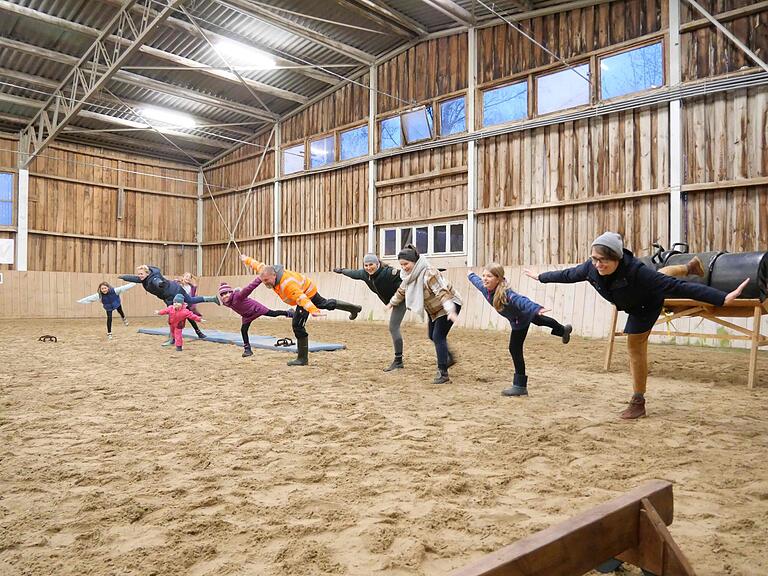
[302, 344]
[519, 386]
[442, 377]
[353, 309]
[397, 363]
[567, 329]
[247, 351]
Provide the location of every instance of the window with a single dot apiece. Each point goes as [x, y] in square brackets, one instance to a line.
[631, 71]
[6, 199]
[293, 159]
[505, 104]
[390, 242]
[453, 116]
[391, 136]
[417, 125]
[354, 143]
[564, 89]
[322, 152]
[432, 240]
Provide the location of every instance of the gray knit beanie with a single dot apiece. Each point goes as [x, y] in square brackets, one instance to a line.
[613, 242]
[370, 258]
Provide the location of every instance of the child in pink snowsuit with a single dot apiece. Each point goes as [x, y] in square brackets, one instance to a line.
[178, 314]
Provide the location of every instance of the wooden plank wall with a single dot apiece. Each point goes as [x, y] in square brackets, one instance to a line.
[422, 186]
[429, 70]
[708, 53]
[323, 219]
[544, 194]
[726, 171]
[73, 223]
[347, 105]
[8, 162]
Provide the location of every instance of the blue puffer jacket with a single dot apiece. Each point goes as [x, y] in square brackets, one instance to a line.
[636, 289]
[519, 310]
[110, 300]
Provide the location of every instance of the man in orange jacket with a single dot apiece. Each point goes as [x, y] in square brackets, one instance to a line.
[297, 290]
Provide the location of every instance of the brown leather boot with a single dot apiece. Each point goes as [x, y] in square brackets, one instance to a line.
[695, 267]
[636, 408]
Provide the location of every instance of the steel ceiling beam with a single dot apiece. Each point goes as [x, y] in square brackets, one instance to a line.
[259, 12]
[279, 57]
[144, 82]
[375, 16]
[86, 77]
[390, 14]
[186, 63]
[452, 10]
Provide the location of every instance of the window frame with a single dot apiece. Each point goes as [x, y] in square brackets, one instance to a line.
[284, 149]
[367, 142]
[591, 95]
[439, 116]
[528, 112]
[599, 73]
[431, 129]
[308, 152]
[430, 253]
[12, 227]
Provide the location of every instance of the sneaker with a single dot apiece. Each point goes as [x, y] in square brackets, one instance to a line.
[515, 390]
[441, 378]
[109, 336]
[125, 321]
[178, 348]
[567, 329]
[397, 364]
[247, 352]
[635, 409]
[200, 335]
[168, 342]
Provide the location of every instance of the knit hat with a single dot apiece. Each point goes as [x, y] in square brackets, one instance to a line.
[408, 253]
[613, 242]
[370, 258]
[224, 288]
[179, 298]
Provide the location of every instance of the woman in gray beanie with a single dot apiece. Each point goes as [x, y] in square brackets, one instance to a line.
[638, 290]
[383, 280]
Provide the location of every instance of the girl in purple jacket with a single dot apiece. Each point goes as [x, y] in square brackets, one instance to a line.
[521, 313]
[249, 309]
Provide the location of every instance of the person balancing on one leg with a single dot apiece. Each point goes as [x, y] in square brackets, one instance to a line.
[297, 290]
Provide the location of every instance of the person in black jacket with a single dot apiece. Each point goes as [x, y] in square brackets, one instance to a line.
[638, 290]
[383, 280]
[153, 281]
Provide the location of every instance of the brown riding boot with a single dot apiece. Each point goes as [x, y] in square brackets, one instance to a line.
[636, 408]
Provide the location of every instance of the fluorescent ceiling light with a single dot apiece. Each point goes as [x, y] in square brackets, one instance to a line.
[168, 118]
[238, 53]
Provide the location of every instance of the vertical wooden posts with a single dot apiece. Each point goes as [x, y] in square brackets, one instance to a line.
[676, 234]
[471, 148]
[276, 196]
[200, 220]
[372, 104]
[754, 345]
[22, 206]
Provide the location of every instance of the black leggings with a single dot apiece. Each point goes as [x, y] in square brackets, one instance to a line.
[438, 333]
[300, 315]
[247, 326]
[517, 339]
[109, 318]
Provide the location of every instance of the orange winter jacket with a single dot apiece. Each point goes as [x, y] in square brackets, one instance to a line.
[293, 288]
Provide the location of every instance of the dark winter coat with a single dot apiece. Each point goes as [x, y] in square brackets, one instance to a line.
[384, 282]
[635, 289]
[157, 284]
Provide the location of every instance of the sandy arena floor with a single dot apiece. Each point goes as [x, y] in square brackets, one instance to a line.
[127, 458]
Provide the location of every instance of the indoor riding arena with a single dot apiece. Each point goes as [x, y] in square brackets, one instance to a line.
[383, 287]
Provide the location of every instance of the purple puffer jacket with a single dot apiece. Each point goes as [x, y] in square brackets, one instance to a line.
[248, 308]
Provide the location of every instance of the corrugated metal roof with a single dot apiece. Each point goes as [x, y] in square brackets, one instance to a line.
[148, 80]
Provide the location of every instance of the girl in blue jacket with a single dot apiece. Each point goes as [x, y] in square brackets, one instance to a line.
[521, 313]
[110, 300]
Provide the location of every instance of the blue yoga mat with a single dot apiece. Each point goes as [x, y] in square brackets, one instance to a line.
[262, 342]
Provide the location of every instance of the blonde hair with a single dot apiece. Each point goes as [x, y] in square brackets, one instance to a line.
[500, 296]
[143, 267]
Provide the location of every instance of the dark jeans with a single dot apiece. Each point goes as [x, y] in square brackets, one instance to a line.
[109, 318]
[438, 333]
[247, 326]
[300, 315]
[517, 339]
